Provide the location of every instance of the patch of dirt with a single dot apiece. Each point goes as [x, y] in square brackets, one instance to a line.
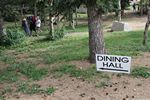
[68, 88]
[22, 56]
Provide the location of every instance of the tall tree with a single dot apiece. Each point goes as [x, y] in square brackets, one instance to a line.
[119, 10]
[147, 26]
[96, 40]
[95, 9]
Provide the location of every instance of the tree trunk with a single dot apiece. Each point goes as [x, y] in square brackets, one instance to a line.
[1, 27]
[96, 40]
[76, 14]
[141, 7]
[51, 26]
[146, 28]
[71, 21]
[119, 10]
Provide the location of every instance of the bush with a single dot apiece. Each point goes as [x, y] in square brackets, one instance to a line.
[58, 34]
[10, 14]
[12, 37]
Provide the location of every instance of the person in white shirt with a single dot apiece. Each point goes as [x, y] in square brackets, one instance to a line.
[38, 24]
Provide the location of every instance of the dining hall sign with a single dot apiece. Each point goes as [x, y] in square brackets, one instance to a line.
[112, 63]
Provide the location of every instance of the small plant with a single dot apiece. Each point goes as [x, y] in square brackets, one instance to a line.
[49, 90]
[141, 72]
[102, 84]
[22, 87]
[29, 89]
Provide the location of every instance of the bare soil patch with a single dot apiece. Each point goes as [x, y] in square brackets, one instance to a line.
[68, 88]
[124, 87]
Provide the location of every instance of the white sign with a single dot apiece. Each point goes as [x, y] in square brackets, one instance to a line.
[112, 63]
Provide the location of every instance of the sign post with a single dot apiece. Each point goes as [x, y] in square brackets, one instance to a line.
[112, 63]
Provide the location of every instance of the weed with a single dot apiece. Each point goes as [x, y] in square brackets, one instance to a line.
[29, 89]
[141, 72]
[49, 90]
[119, 75]
[102, 84]
[22, 87]
[30, 70]
[34, 89]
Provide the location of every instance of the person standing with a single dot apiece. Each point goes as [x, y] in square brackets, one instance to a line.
[32, 21]
[38, 24]
[26, 27]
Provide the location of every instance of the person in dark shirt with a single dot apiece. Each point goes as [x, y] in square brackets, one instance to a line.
[32, 21]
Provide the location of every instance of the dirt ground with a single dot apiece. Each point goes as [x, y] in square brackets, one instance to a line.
[119, 88]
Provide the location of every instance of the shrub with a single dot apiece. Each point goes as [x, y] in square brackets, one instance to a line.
[12, 37]
[58, 34]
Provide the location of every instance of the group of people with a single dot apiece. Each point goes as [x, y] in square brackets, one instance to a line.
[30, 24]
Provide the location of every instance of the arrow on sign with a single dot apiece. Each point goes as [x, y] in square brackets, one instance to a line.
[114, 69]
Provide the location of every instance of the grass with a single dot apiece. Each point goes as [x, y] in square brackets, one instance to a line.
[34, 89]
[13, 73]
[71, 48]
[125, 43]
[6, 59]
[79, 28]
[141, 72]
[8, 76]
[74, 72]
[29, 70]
